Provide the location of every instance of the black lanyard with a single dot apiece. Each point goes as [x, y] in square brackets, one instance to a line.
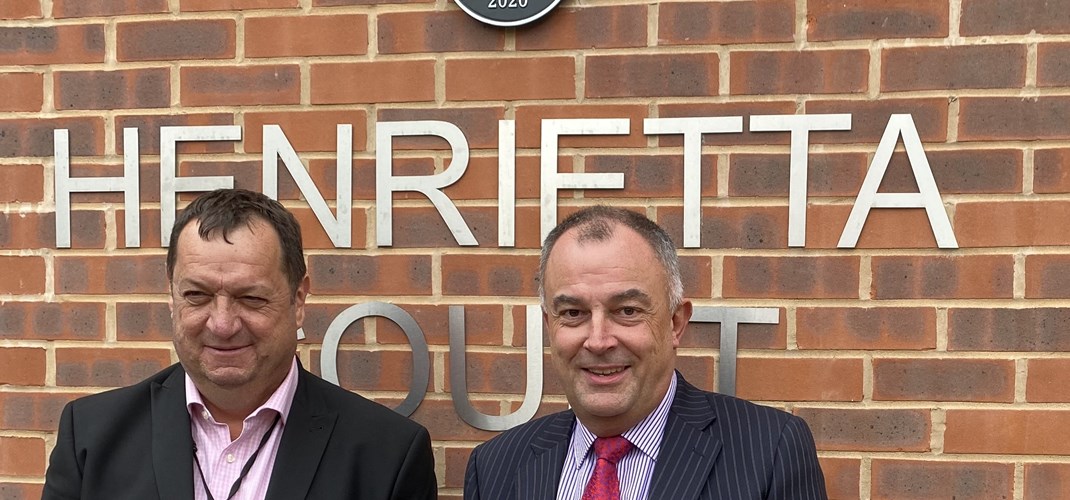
[244, 470]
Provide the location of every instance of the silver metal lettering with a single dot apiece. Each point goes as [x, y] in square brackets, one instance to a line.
[127, 184]
[170, 183]
[730, 318]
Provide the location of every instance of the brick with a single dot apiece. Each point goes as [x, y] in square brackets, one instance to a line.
[731, 227]
[1049, 381]
[898, 228]
[654, 75]
[1047, 480]
[1006, 432]
[483, 325]
[315, 237]
[827, 174]
[206, 5]
[95, 8]
[791, 277]
[480, 181]
[860, 19]
[952, 68]
[1036, 329]
[66, 44]
[149, 133]
[394, 81]
[743, 109]
[422, 32]
[441, 420]
[22, 183]
[456, 460]
[799, 72]
[129, 274]
[306, 130]
[246, 174]
[319, 317]
[425, 228]
[134, 88]
[529, 125]
[868, 430]
[52, 321]
[964, 277]
[22, 456]
[762, 379]
[148, 180]
[324, 174]
[1051, 171]
[1052, 67]
[1013, 118]
[841, 477]
[20, 9]
[32, 411]
[370, 275]
[142, 321]
[977, 171]
[96, 367]
[479, 125]
[35, 136]
[364, 371]
[25, 275]
[493, 373]
[748, 335]
[1044, 276]
[1010, 17]
[176, 39]
[22, 91]
[306, 36]
[660, 176]
[510, 78]
[241, 85]
[1011, 223]
[22, 365]
[870, 328]
[489, 275]
[869, 119]
[762, 21]
[20, 491]
[414, 166]
[919, 479]
[590, 27]
[35, 230]
[332, 3]
[983, 380]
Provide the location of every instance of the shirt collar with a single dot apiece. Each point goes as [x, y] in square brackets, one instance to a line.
[646, 435]
[280, 401]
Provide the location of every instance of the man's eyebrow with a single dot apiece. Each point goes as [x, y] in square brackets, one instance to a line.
[564, 300]
[633, 294]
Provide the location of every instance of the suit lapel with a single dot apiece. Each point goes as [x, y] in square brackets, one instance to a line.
[689, 447]
[537, 478]
[304, 439]
[172, 441]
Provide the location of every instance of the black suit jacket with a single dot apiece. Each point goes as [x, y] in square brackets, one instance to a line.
[714, 446]
[136, 443]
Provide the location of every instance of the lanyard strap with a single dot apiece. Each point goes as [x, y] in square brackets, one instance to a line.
[244, 470]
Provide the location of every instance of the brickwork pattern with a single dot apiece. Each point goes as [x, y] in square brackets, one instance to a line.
[923, 373]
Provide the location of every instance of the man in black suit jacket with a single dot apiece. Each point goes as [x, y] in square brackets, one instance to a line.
[613, 304]
[238, 287]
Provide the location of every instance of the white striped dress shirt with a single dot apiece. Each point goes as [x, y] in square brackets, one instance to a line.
[634, 470]
[222, 459]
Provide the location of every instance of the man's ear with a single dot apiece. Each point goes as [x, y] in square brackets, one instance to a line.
[680, 318]
[300, 296]
[171, 297]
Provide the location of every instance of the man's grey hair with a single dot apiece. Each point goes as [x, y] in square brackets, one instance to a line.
[597, 223]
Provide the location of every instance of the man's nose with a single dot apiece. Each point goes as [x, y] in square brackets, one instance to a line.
[223, 320]
[601, 338]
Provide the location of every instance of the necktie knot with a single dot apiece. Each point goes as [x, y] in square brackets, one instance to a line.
[612, 449]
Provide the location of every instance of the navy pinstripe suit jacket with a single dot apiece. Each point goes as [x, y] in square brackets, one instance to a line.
[715, 446]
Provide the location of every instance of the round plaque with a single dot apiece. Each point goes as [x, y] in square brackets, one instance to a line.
[507, 12]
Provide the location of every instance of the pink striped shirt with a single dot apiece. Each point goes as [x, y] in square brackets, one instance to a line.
[222, 459]
[634, 470]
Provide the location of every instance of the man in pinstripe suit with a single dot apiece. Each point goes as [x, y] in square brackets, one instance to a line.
[613, 303]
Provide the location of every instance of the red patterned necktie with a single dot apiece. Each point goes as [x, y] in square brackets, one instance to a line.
[604, 484]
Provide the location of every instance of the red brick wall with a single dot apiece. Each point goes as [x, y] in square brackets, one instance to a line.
[923, 373]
